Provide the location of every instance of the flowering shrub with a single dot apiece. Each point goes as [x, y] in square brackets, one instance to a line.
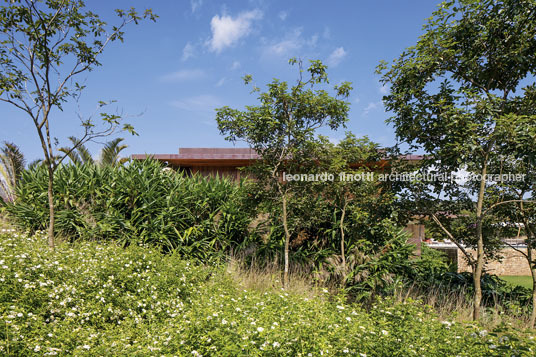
[90, 299]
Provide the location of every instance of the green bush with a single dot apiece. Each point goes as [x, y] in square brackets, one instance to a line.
[139, 203]
[93, 299]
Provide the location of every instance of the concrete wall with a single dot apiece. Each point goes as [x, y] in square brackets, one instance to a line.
[513, 263]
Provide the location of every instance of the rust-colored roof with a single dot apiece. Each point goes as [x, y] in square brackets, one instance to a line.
[218, 157]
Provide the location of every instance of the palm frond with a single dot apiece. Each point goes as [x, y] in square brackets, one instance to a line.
[80, 154]
[110, 152]
[12, 164]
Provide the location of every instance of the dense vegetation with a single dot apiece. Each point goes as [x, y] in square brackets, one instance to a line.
[90, 298]
[137, 203]
[210, 219]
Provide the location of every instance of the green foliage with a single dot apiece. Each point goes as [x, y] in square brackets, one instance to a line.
[109, 155]
[45, 45]
[464, 94]
[282, 131]
[12, 164]
[100, 299]
[138, 203]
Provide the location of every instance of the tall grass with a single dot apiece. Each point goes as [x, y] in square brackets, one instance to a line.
[457, 305]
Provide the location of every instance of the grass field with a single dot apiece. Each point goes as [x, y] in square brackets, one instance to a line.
[525, 281]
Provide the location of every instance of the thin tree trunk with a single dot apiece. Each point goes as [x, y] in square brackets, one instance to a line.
[51, 243]
[533, 274]
[287, 241]
[343, 256]
[477, 273]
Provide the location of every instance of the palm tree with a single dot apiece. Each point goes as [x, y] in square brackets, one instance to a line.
[12, 164]
[110, 153]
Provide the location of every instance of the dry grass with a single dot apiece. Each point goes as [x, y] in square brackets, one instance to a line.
[456, 306]
[453, 305]
[269, 277]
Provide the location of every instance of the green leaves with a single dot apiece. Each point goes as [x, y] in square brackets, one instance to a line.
[136, 203]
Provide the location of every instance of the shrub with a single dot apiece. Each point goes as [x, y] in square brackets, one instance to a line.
[140, 203]
[90, 299]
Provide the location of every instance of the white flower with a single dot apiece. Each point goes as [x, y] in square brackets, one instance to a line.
[385, 332]
[224, 322]
[37, 348]
[348, 319]
[276, 344]
[340, 307]
[260, 329]
[87, 347]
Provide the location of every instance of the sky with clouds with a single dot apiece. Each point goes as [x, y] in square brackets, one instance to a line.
[169, 76]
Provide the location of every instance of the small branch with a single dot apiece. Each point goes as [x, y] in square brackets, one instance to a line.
[516, 249]
[504, 202]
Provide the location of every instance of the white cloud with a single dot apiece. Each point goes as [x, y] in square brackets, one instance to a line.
[188, 51]
[336, 56]
[226, 31]
[205, 102]
[283, 15]
[183, 75]
[196, 4]
[292, 42]
[357, 100]
[221, 82]
[371, 106]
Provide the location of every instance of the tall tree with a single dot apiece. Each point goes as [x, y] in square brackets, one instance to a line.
[12, 164]
[455, 94]
[45, 45]
[282, 130]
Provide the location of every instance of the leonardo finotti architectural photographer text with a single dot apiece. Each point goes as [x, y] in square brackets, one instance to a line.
[404, 177]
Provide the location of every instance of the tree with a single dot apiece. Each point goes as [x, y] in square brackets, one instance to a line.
[45, 46]
[455, 94]
[12, 164]
[354, 159]
[281, 129]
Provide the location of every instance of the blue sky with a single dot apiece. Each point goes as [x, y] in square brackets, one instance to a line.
[176, 71]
